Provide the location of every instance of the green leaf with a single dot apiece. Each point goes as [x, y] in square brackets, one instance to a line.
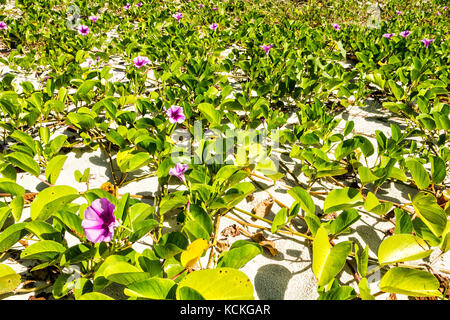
[62, 286]
[419, 173]
[362, 260]
[24, 162]
[124, 273]
[54, 167]
[12, 235]
[366, 176]
[430, 212]
[50, 200]
[94, 296]
[9, 279]
[438, 169]
[218, 284]
[402, 247]
[304, 199]
[155, 288]
[364, 290]
[25, 139]
[279, 220]
[210, 113]
[344, 220]
[313, 223]
[328, 261]
[43, 250]
[410, 282]
[43, 230]
[11, 187]
[170, 244]
[396, 89]
[339, 199]
[339, 293]
[186, 293]
[403, 222]
[239, 254]
[372, 204]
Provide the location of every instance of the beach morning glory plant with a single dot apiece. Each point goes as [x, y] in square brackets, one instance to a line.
[388, 35]
[139, 61]
[93, 18]
[336, 26]
[266, 48]
[83, 30]
[213, 26]
[178, 16]
[405, 33]
[426, 42]
[179, 170]
[3, 25]
[99, 221]
[175, 114]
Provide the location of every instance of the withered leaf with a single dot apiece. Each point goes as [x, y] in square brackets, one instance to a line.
[222, 245]
[268, 244]
[108, 187]
[262, 208]
[232, 231]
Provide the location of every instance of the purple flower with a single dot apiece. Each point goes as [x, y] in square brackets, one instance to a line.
[267, 48]
[426, 42]
[388, 35]
[336, 26]
[438, 13]
[398, 12]
[140, 61]
[179, 170]
[178, 16]
[175, 114]
[405, 33]
[215, 9]
[213, 26]
[200, 5]
[93, 18]
[444, 8]
[139, 4]
[99, 221]
[83, 30]
[3, 25]
[127, 6]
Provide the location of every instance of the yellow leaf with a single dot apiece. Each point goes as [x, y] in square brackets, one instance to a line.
[194, 251]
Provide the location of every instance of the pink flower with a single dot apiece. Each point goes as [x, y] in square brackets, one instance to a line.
[178, 16]
[179, 170]
[213, 26]
[3, 25]
[444, 8]
[139, 4]
[93, 18]
[99, 221]
[127, 6]
[267, 48]
[438, 13]
[388, 35]
[200, 5]
[83, 30]
[405, 33]
[215, 9]
[175, 114]
[398, 12]
[426, 42]
[336, 26]
[140, 61]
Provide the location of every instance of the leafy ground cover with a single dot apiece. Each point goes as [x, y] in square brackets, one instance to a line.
[163, 150]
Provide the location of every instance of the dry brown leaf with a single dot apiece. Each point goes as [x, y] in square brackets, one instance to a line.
[222, 245]
[392, 296]
[29, 197]
[268, 244]
[24, 243]
[262, 208]
[250, 197]
[232, 231]
[108, 187]
[331, 216]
